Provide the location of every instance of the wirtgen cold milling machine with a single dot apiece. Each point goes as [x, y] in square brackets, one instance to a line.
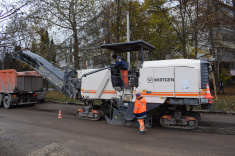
[171, 87]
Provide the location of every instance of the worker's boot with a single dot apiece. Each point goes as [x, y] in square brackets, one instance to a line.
[141, 133]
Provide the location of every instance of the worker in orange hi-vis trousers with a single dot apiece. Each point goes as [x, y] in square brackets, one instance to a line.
[124, 76]
[123, 67]
[140, 112]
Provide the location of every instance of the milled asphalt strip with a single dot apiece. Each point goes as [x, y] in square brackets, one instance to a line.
[215, 112]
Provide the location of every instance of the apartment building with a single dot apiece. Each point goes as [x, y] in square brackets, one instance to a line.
[223, 39]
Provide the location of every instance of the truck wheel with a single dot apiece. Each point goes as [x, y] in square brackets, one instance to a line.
[6, 102]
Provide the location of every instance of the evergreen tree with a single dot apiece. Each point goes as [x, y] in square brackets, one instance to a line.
[11, 63]
[52, 52]
[44, 44]
[34, 47]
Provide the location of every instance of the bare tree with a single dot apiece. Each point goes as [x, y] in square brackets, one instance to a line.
[176, 15]
[7, 10]
[70, 15]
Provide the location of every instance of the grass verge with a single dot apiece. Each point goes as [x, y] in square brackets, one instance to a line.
[58, 96]
[225, 102]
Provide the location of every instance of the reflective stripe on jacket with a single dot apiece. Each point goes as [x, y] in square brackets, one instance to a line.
[140, 107]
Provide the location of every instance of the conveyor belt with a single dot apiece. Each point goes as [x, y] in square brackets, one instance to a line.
[54, 75]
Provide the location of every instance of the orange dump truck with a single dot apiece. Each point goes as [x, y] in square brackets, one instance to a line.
[18, 88]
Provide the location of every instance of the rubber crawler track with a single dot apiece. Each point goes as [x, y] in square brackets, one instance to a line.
[179, 127]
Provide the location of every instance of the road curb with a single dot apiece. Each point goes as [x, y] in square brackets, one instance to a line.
[68, 103]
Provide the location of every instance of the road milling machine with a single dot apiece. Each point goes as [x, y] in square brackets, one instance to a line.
[171, 87]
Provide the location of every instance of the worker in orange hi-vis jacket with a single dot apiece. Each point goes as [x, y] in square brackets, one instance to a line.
[140, 112]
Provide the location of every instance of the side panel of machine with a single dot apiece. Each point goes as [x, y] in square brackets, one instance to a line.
[153, 91]
[186, 82]
[146, 85]
[157, 84]
[164, 82]
[98, 86]
[146, 80]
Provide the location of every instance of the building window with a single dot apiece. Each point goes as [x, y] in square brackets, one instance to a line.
[232, 38]
[223, 37]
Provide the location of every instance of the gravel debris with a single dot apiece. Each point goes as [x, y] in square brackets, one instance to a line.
[53, 149]
[1, 131]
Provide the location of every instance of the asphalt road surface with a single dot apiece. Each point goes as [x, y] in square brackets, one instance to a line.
[25, 130]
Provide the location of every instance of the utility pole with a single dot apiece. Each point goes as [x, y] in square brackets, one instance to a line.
[128, 36]
[127, 31]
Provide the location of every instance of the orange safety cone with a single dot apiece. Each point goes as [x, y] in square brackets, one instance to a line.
[59, 116]
[208, 94]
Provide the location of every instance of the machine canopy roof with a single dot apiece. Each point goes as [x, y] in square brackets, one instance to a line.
[128, 46]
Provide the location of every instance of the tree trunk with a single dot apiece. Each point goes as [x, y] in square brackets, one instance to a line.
[184, 49]
[47, 86]
[184, 38]
[75, 48]
[234, 11]
[182, 12]
[215, 64]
